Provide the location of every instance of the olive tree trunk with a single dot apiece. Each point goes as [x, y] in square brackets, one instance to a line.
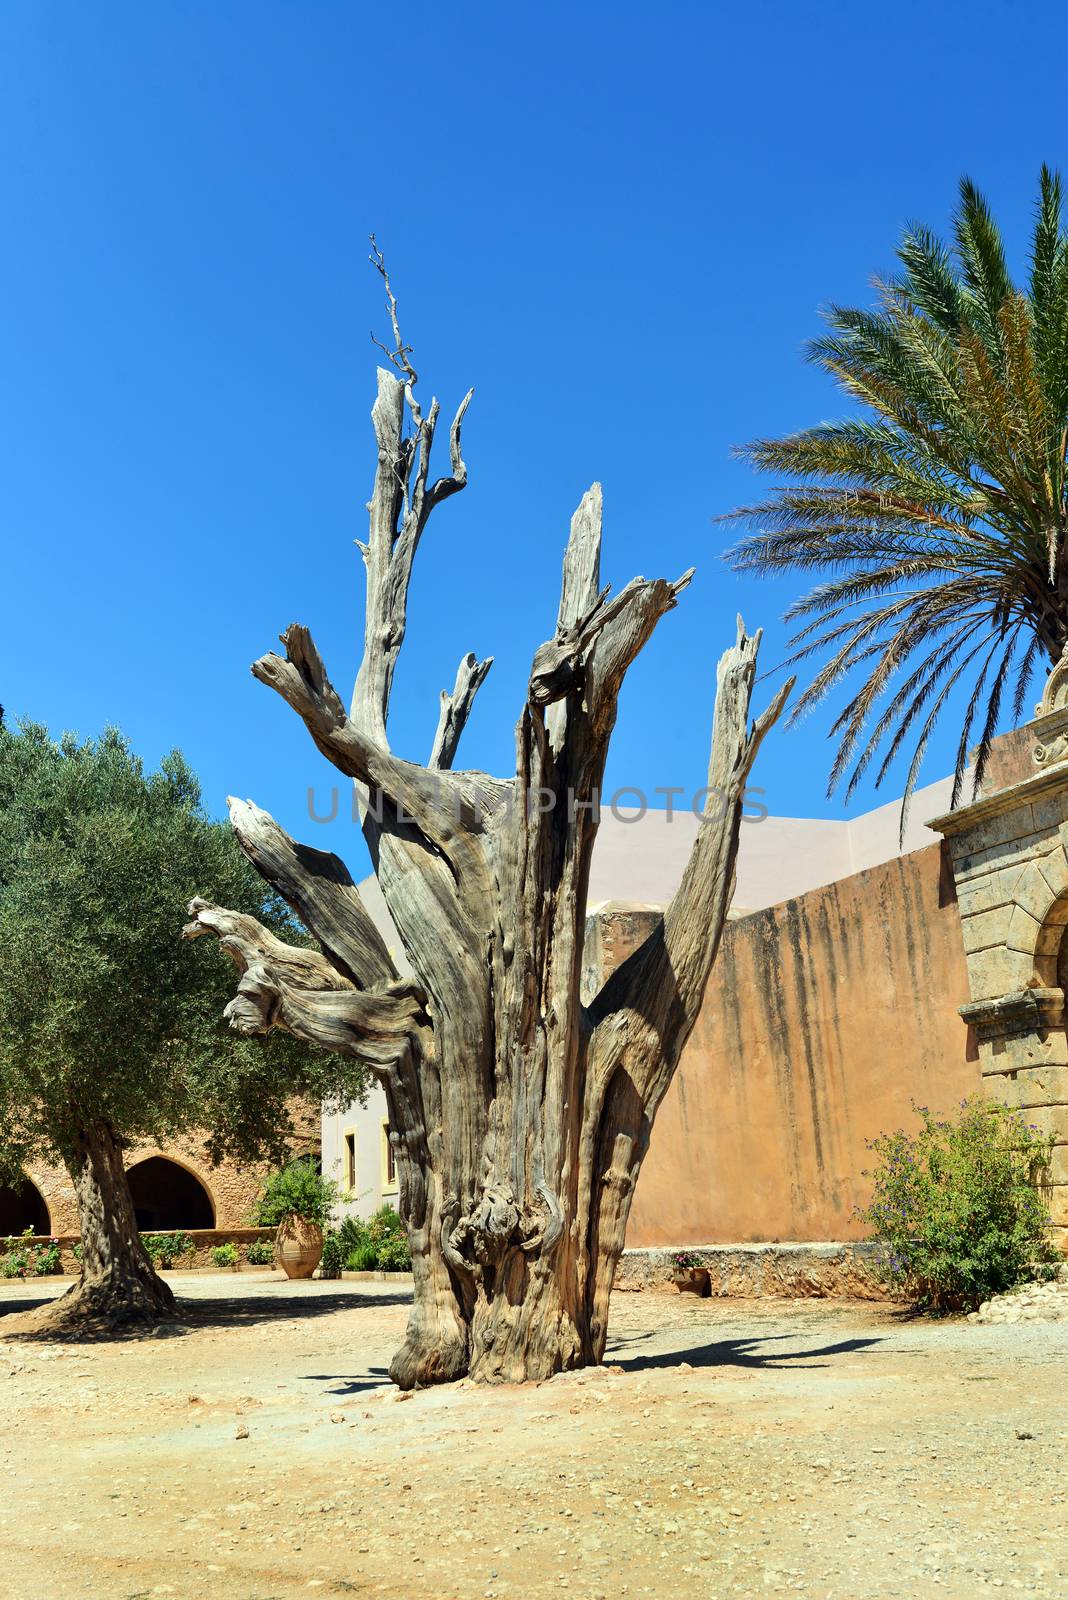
[519, 1116]
[118, 1284]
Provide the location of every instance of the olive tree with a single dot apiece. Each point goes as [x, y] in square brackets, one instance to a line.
[519, 1115]
[109, 1028]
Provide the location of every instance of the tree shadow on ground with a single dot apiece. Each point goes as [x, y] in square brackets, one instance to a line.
[732, 1353]
[349, 1383]
[191, 1315]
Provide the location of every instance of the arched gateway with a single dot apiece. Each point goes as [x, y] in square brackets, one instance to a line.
[1010, 867]
[22, 1206]
[167, 1195]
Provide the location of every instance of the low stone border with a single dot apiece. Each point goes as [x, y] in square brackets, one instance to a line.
[763, 1271]
[205, 1240]
[378, 1276]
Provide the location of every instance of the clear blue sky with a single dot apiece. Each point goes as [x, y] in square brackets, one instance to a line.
[617, 222]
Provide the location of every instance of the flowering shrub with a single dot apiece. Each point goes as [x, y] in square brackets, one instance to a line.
[957, 1207]
[32, 1256]
[164, 1249]
[47, 1259]
[683, 1260]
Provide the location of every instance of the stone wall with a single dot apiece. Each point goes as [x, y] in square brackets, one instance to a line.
[203, 1240]
[825, 1019]
[233, 1188]
[1011, 868]
[764, 1271]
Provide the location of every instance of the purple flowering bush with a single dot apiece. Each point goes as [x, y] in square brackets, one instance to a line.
[960, 1208]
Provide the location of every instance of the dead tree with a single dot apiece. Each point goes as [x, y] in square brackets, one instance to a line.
[519, 1116]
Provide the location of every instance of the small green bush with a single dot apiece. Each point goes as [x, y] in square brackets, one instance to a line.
[47, 1259]
[32, 1256]
[957, 1208]
[351, 1232]
[16, 1262]
[363, 1258]
[333, 1256]
[224, 1255]
[394, 1255]
[260, 1253]
[164, 1249]
[378, 1244]
[299, 1190]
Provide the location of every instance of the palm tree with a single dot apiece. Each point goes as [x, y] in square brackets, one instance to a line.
[940, 513]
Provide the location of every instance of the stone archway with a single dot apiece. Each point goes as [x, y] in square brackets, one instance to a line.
[22, 1206]
[1010, 868]
[167, 1195]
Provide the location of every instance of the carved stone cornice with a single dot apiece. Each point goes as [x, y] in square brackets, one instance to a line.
[1048, 780]
[1050, 730]
[1010, 1016]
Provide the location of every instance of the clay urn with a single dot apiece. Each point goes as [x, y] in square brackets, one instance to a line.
[298, 1246]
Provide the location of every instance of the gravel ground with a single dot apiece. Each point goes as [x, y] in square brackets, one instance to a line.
[730, 1449]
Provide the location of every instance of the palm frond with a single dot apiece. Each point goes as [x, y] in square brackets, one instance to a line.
[938, 513]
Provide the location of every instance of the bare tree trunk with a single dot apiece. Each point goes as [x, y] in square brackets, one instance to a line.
[118, 1283]
[519, 1116]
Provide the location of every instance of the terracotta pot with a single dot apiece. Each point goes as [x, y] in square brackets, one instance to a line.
[298, 1247]
[693, 1280]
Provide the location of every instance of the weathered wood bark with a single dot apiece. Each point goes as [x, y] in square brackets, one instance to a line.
[118, 1284]
[519, 1116]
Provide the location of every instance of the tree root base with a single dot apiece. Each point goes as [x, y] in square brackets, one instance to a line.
[95, 1311]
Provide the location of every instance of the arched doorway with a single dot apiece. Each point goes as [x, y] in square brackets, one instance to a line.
[22, 1206]
[166, 1196]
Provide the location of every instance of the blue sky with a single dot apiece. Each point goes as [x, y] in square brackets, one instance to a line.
[618, 222]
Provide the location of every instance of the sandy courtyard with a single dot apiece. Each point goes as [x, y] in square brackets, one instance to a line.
[746, 1448]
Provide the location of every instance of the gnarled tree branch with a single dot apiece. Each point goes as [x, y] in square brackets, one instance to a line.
[286, 986]
[318, 889]
[455, 710]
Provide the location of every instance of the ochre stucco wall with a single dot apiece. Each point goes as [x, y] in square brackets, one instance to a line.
[825, 1018]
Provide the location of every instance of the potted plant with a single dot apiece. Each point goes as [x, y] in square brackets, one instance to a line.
[297, 1201]
[691, 1277]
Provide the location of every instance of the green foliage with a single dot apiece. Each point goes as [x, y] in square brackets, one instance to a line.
[379, 1244]
[105, 1014]
[16, 1262]
[32, 1256]
[940, 513]
[164, 1249]
[958, 1208]
[224, 1255]
[297, 1190]
[333, 1256]
[260, 1253]
[362, 1257]
[47, 1259]
[394, 1255]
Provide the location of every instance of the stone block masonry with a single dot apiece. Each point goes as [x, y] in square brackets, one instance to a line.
[1010, 865]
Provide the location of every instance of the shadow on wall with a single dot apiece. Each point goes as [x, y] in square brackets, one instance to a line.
[167, 1195]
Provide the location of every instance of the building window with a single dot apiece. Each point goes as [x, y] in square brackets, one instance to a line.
[350, 1161]
[389, 1160]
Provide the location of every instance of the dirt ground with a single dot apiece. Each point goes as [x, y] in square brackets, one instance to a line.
[746, 1448]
